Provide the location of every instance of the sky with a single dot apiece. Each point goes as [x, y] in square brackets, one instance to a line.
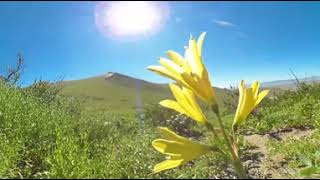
[245, 40]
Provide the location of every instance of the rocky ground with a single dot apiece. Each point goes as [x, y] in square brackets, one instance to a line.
[258, 162]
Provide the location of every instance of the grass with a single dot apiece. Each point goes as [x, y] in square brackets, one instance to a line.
[49, 140]
[64, 137]
[296, 151]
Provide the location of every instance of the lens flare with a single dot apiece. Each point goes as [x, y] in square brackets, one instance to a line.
[130, 19]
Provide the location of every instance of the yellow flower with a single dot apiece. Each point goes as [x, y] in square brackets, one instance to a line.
[186, 103]
[248, 100]
[188, 71]
[179, 150]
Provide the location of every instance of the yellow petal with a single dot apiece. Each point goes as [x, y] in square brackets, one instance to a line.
[168, 147]
[188, 94]
[248, 105]
[195, 59]
[200, 86]
[196, 112]
[197, 91]
[242, 91]
[255, 88]
[179, 149]
[261, 95]
[172, 105]
[175, 57]
[205, 90]
[192, 84]
[170, 135]
[205, 79]
[200, 42]
[171, 66]
[208, 89]
[179, 60]
[167, 164]
[186, 103]
[178, 94]
[164, 72]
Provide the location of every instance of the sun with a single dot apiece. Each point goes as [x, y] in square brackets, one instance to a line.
[125, 19]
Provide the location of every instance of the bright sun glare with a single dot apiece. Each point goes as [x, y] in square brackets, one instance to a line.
[130, 18]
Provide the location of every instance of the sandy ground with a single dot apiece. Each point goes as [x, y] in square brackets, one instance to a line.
[258, 162]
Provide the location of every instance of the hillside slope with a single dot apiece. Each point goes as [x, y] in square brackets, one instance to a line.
[118, 92]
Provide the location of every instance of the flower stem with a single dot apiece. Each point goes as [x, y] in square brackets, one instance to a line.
[239, 168]
[235, 158]
[209, 126]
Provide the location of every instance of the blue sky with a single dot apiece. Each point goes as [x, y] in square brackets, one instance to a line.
[245, 40]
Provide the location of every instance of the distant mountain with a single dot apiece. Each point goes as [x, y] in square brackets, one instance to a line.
[289, 84]
[118, 92]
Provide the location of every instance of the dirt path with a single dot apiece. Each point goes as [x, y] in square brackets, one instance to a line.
[257, 159]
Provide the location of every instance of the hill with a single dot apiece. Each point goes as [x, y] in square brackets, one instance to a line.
[118, 92]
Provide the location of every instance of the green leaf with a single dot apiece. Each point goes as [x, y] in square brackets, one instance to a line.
[305, 161]
[309, 171]
[317, 155]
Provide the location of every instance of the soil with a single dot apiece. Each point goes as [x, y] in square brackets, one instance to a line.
[258, 162]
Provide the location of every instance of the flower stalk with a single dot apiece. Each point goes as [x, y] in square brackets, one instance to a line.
[210, 128]
[232, 146]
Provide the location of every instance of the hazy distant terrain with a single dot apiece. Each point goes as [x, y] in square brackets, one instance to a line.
[289, 84]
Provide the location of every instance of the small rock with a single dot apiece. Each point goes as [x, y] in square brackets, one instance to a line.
[248, 163]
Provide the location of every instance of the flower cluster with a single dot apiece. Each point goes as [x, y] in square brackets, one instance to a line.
[192, 81]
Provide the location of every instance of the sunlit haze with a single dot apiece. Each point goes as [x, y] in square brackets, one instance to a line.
[127, 19]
